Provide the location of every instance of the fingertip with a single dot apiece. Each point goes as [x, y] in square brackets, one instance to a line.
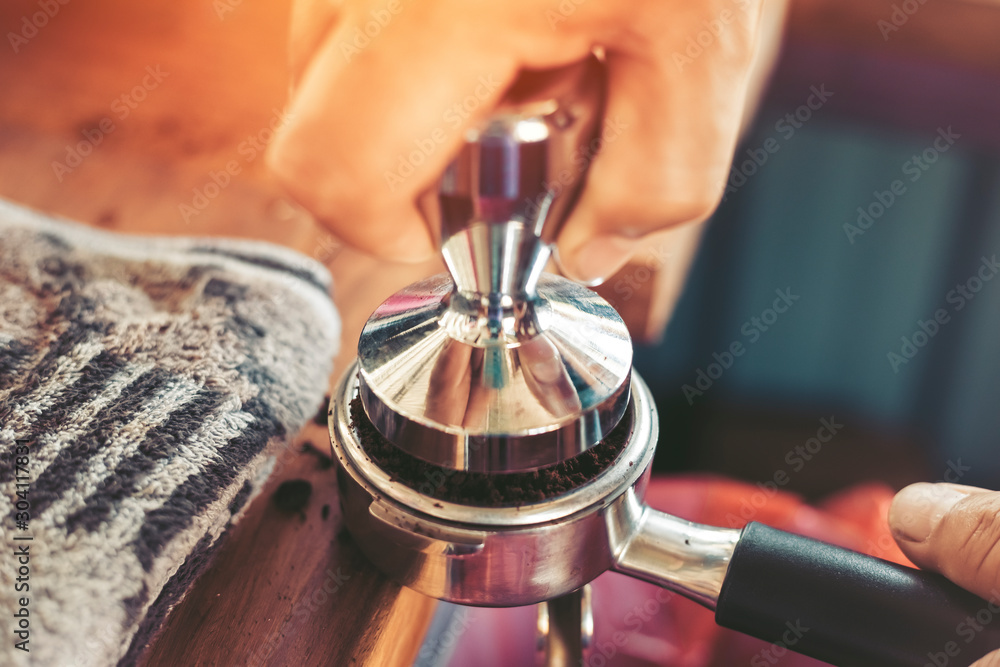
[918, 509]
[596, 259]
[950, 529]
[967, 551]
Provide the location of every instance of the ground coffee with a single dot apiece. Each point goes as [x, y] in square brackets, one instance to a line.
[292, 495]
[488, 489]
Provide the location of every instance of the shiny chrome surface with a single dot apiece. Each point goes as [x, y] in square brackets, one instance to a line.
[565, 629]
[435, 390]
[510, 556]
[499, 367]
[686, 557]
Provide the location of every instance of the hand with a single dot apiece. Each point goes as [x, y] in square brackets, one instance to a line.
[954, 530]
[385, 89]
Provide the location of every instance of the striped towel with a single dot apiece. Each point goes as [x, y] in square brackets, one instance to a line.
[145, 386]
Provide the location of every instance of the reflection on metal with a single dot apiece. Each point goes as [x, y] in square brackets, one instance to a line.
[519, 555]
[497, 366]
[565, 629]
[437, 386]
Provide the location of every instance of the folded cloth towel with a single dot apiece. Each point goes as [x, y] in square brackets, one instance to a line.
[145, 387]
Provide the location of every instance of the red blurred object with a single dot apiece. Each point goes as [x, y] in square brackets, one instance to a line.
[640, 625]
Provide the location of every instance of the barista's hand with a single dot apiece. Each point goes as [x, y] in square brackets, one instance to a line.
[954, 530]
[383, 91]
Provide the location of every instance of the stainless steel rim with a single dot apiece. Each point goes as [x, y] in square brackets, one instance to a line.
[601, 491]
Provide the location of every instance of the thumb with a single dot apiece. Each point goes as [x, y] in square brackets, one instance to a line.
[951, 529]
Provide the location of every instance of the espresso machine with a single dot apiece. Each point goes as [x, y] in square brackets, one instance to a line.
[494, 443]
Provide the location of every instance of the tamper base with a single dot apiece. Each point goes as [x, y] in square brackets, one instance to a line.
[440, 391]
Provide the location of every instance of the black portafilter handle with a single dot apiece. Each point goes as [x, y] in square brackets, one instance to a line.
[850, 609]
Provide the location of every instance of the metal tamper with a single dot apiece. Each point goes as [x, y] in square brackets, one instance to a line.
[498, 366]
[499, 372]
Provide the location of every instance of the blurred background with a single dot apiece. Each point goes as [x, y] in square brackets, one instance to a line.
[795, 220]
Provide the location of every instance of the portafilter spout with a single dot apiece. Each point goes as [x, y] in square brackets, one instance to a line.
[498, 366]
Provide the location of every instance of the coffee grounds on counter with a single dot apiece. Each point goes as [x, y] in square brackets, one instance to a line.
[322, 416]
[323, 459]
[487, 489]
[292, 495]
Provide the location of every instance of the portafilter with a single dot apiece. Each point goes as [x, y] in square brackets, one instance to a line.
[499, 369]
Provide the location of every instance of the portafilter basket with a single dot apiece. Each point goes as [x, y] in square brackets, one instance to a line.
[501, 368]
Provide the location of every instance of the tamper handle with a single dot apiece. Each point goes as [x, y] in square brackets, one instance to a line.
[501, 202]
